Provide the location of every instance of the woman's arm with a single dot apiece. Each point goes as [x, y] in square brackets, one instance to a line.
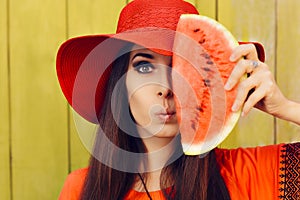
[259, 89]
[290, 112]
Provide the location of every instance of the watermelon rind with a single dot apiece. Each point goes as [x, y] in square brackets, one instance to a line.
[202, 148]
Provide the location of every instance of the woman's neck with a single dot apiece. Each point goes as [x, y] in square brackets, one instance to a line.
[160, 150]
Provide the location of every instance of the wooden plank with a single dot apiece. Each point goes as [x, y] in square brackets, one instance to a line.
[288, 60]
[81, 143]
[207, 7]
[191, 1]
[96, 17]
[39, 117]
[5, 190]
[244, 19]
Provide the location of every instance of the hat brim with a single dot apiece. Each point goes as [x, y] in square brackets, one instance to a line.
[83, 64]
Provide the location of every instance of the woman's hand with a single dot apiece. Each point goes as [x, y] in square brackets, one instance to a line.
[259, 89]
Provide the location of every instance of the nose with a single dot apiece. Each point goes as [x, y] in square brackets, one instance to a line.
[164, 92]
[165, 83]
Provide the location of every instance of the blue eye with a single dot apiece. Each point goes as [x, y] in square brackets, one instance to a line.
[143, 67]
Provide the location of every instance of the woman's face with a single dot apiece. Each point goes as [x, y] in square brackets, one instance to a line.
[149, 91]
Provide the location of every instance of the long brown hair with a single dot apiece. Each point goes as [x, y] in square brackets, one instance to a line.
[192, 177]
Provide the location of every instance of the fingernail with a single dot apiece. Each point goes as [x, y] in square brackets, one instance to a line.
[245, 113]
[232, 58]
[234, 108]
[227, 86]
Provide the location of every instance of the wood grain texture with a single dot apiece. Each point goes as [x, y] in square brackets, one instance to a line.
[192, 2]
[85, 18]
[39, 122]
[251, 21]
[5, 190]
[288, 59]
[207, 8]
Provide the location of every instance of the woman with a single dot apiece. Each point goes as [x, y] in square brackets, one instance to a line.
[137, 152]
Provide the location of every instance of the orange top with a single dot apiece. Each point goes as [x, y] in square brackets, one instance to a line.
[249, 173]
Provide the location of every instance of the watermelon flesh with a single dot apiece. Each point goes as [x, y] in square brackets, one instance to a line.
[201, 67]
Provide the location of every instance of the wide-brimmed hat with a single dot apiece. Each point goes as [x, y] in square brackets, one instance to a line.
[83, 63]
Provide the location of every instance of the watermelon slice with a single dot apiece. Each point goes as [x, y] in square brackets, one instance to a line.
[201, 66]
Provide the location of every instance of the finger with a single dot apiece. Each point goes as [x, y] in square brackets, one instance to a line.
[243, 91]
[242, 67]
[247, 51]
[253, 99]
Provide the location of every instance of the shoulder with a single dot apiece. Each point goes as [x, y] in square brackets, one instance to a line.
[77, 176]
[269, 156]
[251, 155]
[243, 162]
[73, 185]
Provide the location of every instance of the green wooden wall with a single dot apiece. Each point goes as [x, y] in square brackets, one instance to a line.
[39, 144]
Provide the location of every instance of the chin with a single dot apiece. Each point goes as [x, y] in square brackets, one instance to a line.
[168, 131]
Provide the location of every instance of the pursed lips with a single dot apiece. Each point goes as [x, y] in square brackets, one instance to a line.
[165, 115]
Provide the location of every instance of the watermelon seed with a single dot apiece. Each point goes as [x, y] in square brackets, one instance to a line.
[206, 69]
[210, 62]
[207, 82]
[205, 55]
[201, 41]
[196, 30]
[193, 125]
[199, 108]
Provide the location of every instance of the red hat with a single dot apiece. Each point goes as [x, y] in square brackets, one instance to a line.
[83, 63]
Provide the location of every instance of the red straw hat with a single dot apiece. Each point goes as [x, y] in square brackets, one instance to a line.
[83, 63]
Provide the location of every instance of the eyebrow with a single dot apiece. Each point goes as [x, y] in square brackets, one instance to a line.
[146, 55]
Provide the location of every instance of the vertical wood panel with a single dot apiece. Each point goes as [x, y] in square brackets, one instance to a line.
[39, 120]
[250, 20]
[191, 1]
[88, 17]
[288, 59]
[4, 105]
[207, 8]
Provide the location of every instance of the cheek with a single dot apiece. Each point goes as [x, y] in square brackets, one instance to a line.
[142, 98]
[140, 107]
